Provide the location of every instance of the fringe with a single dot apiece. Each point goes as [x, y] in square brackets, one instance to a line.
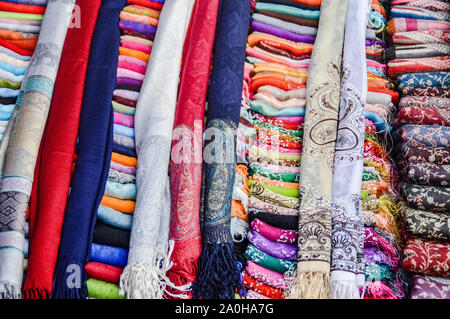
[35, 293]
[218, 276]
[307, 285]
[9, 290]
[184, 275]
[239, 229]
[60, 287]
[149, 280]
[344, 290]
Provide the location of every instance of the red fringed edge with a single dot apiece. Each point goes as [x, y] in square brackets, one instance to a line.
[35, 293]
[182, 273]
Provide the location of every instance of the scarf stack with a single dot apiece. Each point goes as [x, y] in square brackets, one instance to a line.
[186, 157]
[379, 205]
[16, 49]
[94, 146]
[110, 241]
[20, 145]
[53, 168]
[218, 271]
[270, 137]
[150, 249]
[421, 141]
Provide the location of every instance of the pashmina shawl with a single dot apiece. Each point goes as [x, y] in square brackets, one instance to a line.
[431, 198]
[259, 287]
[52, 173]
[424, 80]
[150, 248]
[425, 110]
[430, 64]
[110, 255]
[423, 173]
[218, 275]
[312, 278]
[429, 287]
[436, 155]
[265, 276]
[408, 24]
[423, 135]
[104, 272]
[347, 241]
[427, 257]
[427, 225]
[94, 155]
[109, 235]
[99, 289]
[267, 261]
[186, 166]
[421, 37]
[23, 144]
[272, 248]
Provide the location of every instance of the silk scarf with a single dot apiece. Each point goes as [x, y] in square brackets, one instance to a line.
[22, 150]
[150, 248]
[347, 241]
[312, 278]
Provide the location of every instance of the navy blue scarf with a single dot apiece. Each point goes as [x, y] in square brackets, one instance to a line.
[94, 155]
[218, 276]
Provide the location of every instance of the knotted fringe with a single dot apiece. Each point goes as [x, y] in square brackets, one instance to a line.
[218, 276]
[307, 285]
[239, 229]
[378, 290]
[8, 290]
[69, 272]
[35, 293]
[343, 289]
[149, 280]
[184, 276]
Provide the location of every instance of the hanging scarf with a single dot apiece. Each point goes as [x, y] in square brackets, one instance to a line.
[52, 173]
[94, 155]
[347, 241]
[150, 248]
[22, 150]
[218, 276]
[312, 278]
[186, 168]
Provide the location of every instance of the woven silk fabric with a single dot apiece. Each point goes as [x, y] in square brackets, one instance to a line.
[423, 173]
[186, 172]
[320, 132]
[52, 172]
[427, 257]
[347, 241]
[427, 225]
[154, 119]
[423, 135]
[430, 64]
[95, 138]
[424, 110]
[23, 143]
[421, 37]
[429, 287]
[432, 198]
[436, 155]
[267, 261]
[424, 80]
[272, 248]
[274, 233]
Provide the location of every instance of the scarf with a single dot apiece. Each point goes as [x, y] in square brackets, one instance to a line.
[312, 277]
[428, 287]
[150, 248]
[218, 276]
[99, 289]
[104, 272]
[186, 168]
[424, 110]
[431, 198]
[421, 37]
[423, 173]
[23, 144]
[94, 155]
[427, 225]
[347, 241]
[52, 173]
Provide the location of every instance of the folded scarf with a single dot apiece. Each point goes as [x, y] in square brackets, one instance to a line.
[114, 218]
[425, 4]
[423, 135]
[413, 12]
[155, 112]
[289, 18]
[431, 64]
[297, 4]
[427, 225]
[121, 205]
[428, 91]
[18, 161]
[431, 198]
[424, 80]
[436, 155]
[274, 233]
[312, 278]
[108, 235]
[288, 26]
[408, 24]
[416, 51]
[282, 33]
[265, 276]
[251, 294]
[266, 109]
[259, 287]
[103, 272]
[52, 173]
[218, 275]
[423, 173]
[426, 257]
[22, 8]
[94, 153]
[424, 110]
[110, 255]
[288, 9]
[265, 260]
[264, 193]
[421, 37]
[428, 287]
[99, 289]
[272, 248]
[186, 168]
[261, 205]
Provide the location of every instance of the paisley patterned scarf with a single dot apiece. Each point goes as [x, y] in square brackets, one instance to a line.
[347, 242]
[218, 275]
[21, 153]
[312, 278]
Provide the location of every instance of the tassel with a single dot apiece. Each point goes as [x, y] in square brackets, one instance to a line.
[307, 285]
[184, 275]
[346, 289]
[9, 290]
[35, 293]
[239, 229]
[149, 280]
[218, 276]
[64, 275]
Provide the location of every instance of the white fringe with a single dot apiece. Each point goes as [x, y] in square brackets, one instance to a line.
[9, 290]
[239, 229]
[343, 290]
[149, 281]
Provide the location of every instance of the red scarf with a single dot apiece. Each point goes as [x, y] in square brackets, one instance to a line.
[186, 178]
[53, 168]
